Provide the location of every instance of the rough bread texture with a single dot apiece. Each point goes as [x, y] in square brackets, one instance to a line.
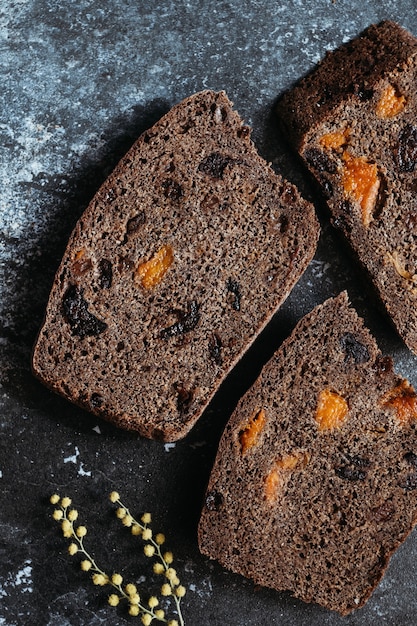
[354, 122]
[315, 480]
[179, 261]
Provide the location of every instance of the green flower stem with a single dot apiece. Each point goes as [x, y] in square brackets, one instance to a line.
[71, 532]
[173, 582]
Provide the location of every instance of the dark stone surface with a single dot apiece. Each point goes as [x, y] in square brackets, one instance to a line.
[79, 82]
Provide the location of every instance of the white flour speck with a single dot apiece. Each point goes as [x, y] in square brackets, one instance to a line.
[319, 268]
[82, 471]
[73, 457]
[22, 579]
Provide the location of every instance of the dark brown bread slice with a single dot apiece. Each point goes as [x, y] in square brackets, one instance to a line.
[354, 122]
[179, 261]
[315, 480]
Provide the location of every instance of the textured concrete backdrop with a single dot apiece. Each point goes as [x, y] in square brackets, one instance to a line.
[79, 81]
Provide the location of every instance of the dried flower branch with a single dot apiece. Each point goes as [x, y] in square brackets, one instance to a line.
[153, 548]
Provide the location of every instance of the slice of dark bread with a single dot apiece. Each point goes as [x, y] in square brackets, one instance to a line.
[354, 122]
[179, 261]
[315, 480]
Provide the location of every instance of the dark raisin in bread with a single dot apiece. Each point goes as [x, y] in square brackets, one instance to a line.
[315, 480]
[354, 122]
[176, 265]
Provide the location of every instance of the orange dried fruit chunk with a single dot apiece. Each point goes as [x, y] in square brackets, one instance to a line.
[282, 466]
[390, 103]
[81, 263]
[403, 399]
[151, 272]
[288, 462]
[331, 410]
[335, 140]
[272, 483]
[249, 435]
[360, 182]
[79, 254]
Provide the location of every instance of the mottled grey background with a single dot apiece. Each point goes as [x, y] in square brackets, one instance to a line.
[79, 81]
